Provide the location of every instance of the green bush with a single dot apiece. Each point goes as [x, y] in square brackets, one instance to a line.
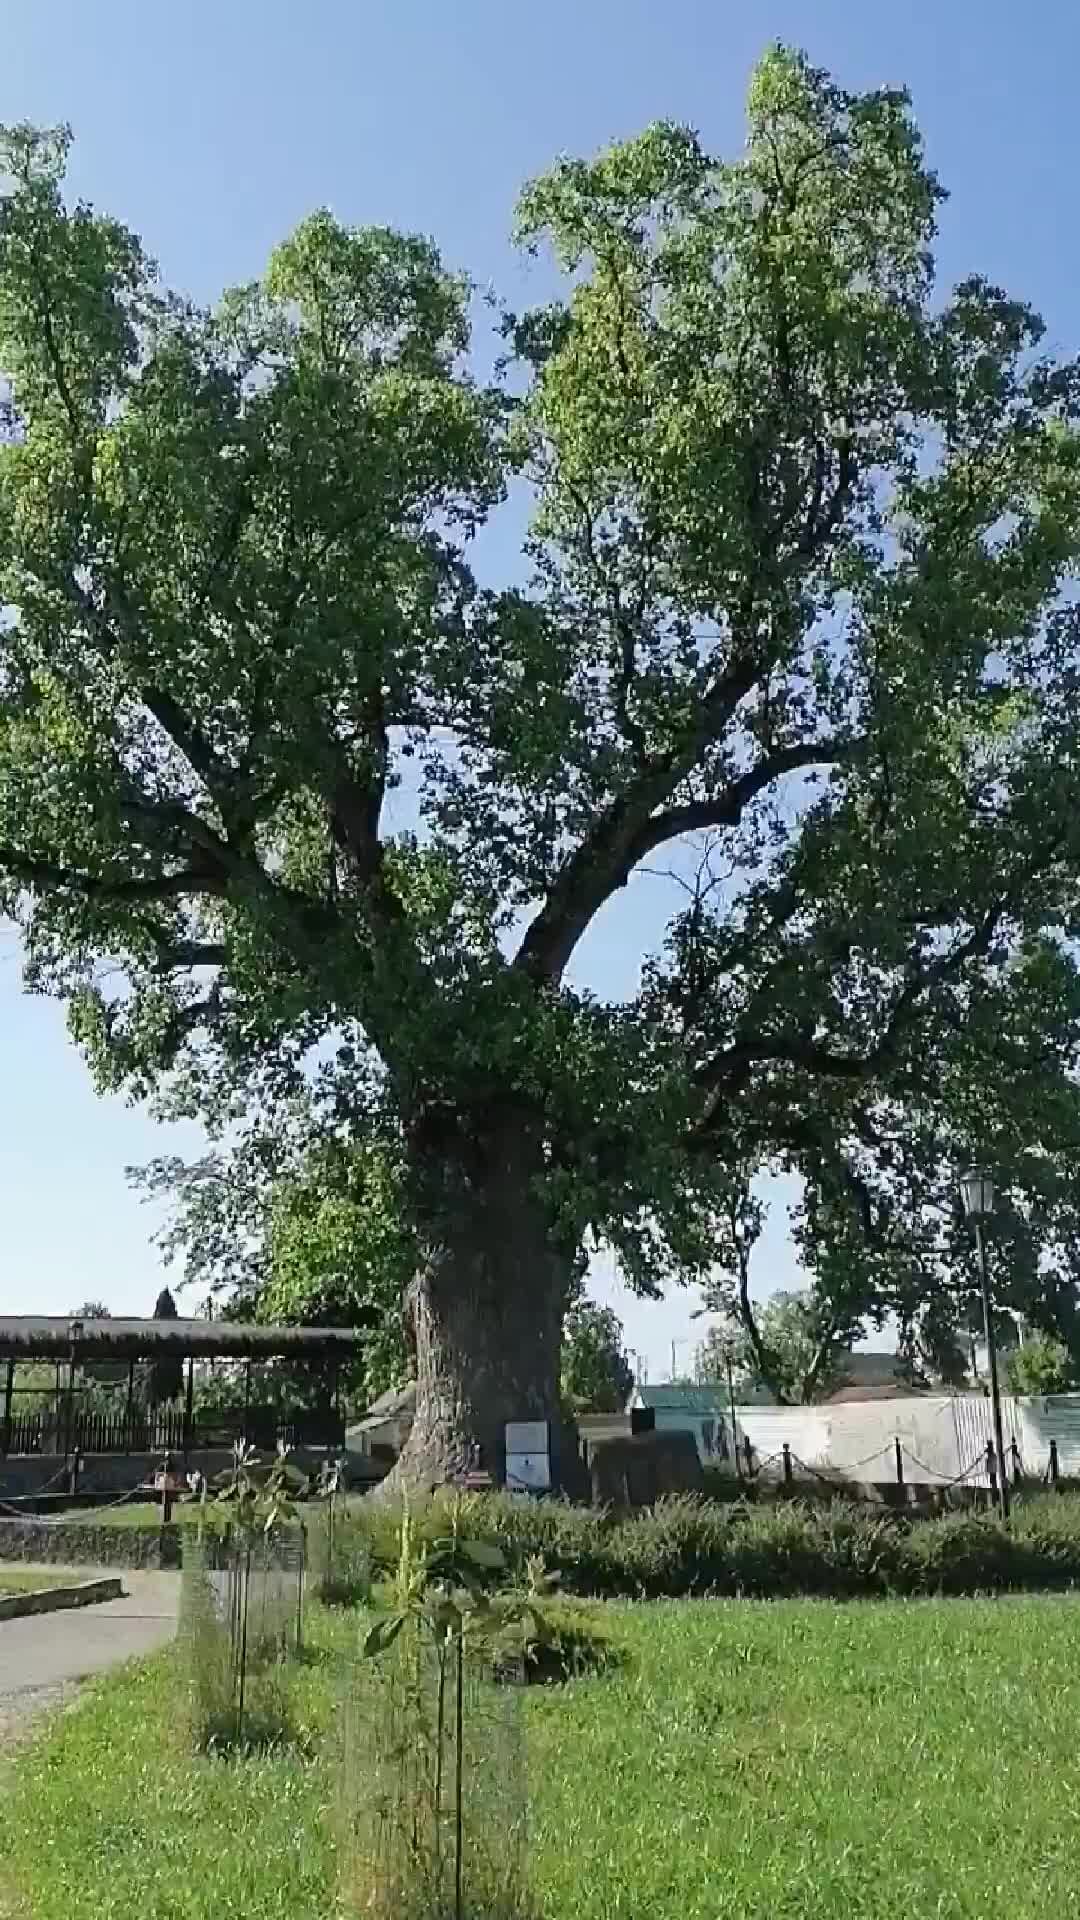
[689, 1546]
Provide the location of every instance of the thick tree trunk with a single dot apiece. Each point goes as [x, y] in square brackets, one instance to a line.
[487, 1311]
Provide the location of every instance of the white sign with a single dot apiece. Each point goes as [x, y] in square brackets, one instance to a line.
[527, 1436]
[528, 1472]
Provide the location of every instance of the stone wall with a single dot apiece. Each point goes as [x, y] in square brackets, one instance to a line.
[77, 1545]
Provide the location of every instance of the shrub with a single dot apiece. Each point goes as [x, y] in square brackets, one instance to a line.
[690, 1546]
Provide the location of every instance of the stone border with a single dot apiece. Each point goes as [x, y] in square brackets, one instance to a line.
[87, 1593]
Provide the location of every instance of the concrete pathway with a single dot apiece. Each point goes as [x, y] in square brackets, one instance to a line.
[44, 1656]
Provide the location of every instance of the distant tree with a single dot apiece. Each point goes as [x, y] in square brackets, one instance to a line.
[596, 1374]
[281, 1232]
[106, 1373]
[166, 1371]
[1040, 1366]
[789, 1348]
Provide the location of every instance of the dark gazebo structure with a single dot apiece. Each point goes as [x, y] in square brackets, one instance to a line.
[72, 1345]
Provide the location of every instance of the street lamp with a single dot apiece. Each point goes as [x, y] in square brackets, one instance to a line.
[977, 1192]
[728, 1358]
[75, 1334]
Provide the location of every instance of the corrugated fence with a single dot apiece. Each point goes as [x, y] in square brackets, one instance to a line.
[943, 1437]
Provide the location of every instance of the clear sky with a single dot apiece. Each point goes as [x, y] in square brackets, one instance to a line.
[214, 128]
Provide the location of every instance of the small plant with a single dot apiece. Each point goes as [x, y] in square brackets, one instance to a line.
[341, 1557]
[243, 1603]
[435, 1836]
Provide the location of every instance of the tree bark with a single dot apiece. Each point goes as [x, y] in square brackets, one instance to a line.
[487, 1307]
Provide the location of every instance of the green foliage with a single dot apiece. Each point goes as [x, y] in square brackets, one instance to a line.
[798, 582]
[689, 1546]
[415, 1846]
[596, 1374]
[166, 1374]
[787, 1346]
[1040, 1366]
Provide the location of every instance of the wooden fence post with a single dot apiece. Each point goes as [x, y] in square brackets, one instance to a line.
[1055, 1470]
[991, 1465]
[899, 1462]
[786, 1453]
[748, 1455]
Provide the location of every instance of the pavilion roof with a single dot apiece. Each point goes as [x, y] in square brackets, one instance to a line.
[26, 1336]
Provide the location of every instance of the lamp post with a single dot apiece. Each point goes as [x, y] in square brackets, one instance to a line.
[731, 1403]
[977, 1192]
[75, 1334]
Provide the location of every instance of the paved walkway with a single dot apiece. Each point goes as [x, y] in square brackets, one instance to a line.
[44, 1656]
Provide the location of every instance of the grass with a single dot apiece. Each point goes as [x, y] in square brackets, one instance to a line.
[796, 1760]
[141, 1513]
[32, 1580]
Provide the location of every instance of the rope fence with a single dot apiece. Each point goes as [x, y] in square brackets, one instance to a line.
[982, 1468]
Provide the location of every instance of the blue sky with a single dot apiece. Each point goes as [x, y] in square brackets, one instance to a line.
[214, 128]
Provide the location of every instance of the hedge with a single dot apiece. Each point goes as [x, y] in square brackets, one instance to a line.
[689, 1546]
[685, 1546]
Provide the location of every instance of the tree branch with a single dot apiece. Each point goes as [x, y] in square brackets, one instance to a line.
[732, 1069]
[726, 809]
[133, 888]
[630, 830]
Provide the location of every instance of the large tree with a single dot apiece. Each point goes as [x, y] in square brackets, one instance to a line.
[292, 804]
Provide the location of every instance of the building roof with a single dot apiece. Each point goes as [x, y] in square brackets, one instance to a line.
[25, 1336]
[394, 1402]
[397, 1403]
[677, 1397]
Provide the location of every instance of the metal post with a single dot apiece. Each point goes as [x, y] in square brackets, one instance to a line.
[995, 1383]
[247, 1400]
[69, 1432]
[189, 1404]
[748, 1455]
[786, 1453]
[731, 1402]
[898, 1445]
[9, 1389]
[1055, 1470]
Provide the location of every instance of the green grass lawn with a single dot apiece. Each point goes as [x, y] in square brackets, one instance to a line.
[32, 1580]
[141, 1513]
[785, 1761]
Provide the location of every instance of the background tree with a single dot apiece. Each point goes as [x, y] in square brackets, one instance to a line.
[797, 578]
[1040, 1366]
[596, 1373]
[166, 1373]
[106, 1373]
[790, 1350]
[293, 1234]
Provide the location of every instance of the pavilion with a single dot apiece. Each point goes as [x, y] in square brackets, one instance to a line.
[74, 1347]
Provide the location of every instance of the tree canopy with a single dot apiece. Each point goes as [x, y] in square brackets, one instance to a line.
[788, 1346]
[165, 1376]
[295, 810]
[596, 1373]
